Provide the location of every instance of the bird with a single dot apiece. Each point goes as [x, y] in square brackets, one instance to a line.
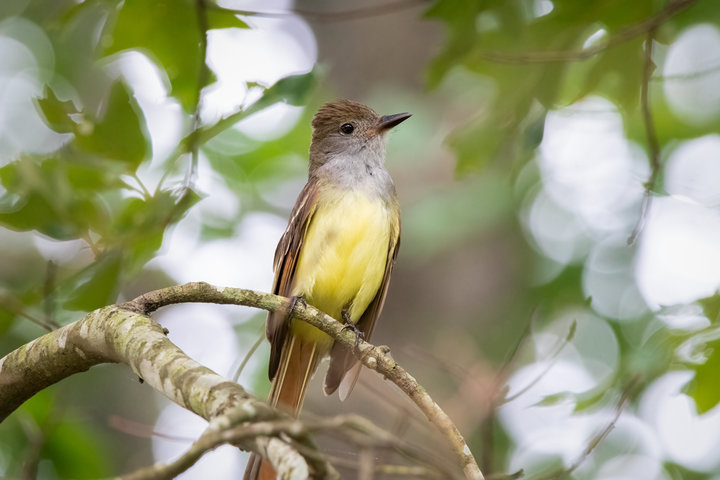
[337, 254]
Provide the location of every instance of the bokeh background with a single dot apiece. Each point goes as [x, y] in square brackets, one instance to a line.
[560, 256]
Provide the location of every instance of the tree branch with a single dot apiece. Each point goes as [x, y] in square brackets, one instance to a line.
[213, 438]
[651, 134]
[115, 334]
[376, 358]
[123, 333]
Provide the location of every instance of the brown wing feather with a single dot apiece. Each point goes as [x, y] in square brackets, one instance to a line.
[342, 359]
[286, 256]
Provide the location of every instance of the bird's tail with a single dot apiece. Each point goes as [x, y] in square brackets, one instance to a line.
[298, 362]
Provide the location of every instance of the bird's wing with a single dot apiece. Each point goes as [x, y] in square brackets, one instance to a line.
[286, 258]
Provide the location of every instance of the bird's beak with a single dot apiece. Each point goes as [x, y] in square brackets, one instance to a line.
[387, 122]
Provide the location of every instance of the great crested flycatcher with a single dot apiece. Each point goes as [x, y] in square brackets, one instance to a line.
[336, 254]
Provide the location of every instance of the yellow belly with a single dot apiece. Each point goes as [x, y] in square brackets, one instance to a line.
[343, 257]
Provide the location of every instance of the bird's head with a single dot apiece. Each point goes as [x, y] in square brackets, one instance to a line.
[345, 127]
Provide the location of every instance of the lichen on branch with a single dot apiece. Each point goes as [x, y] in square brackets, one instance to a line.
[125, 334]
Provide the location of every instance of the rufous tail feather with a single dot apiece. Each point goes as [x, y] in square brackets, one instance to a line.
[298, 362]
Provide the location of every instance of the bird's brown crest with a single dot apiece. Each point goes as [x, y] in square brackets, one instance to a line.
[331, 115]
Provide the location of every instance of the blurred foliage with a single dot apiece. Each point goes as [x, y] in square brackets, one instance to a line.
[704, 387]
[88, 189]
[170, 33]
[538, 60]
[504, 66]
[40, 431]
[534, 57]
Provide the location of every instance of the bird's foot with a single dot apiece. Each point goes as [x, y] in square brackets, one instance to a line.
[295, 301]
[350, 325]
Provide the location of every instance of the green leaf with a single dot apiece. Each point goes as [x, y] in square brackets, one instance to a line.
[500, 136]
[476, 144]
[243, 162]
[460, 15]
[555, 399]
[34, 212]
[293, 90]
[213, 232]
[618, 74]
[119, 133]
[74, 28]
[588, 400]
[93, 177]
[711, 307]
[695, 13]
[7, 319]
[168, 32]
[704, 388]
[218, 17]
[41, 197]
[97, 285]
[56, 112]
[141, 224]
[149, 217]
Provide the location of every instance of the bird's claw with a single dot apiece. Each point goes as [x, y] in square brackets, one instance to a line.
[350, 325]
[295, 301]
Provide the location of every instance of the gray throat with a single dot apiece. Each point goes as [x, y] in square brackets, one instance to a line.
[362, 170]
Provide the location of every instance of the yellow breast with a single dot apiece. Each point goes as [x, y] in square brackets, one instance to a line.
[343, 256]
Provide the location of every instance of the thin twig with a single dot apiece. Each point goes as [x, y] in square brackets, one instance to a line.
[294, 429]
[488, 425]
[36, 438]
[93, 247]
[689, 75]
[386, 469]
[142, 430]
[429, 470]
[512, 354]
[650, 24]
[329, 17]
[14, 306]
[48, 293]
[455, 369]
[249, 354]
[145, 192]
[652, 141]
[203, 76]
[553, 357]
[132, 187]
[210, 440]
[599, 437]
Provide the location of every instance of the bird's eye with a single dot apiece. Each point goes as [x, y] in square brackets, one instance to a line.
[347, 128]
